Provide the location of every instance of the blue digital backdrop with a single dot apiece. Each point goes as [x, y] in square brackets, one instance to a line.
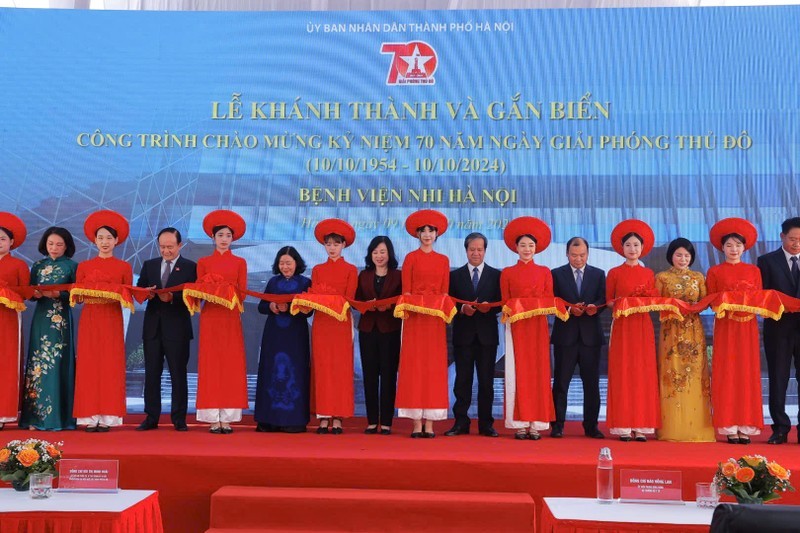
[583, 118]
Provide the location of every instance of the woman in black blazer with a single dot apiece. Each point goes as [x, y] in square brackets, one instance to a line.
[379, 334]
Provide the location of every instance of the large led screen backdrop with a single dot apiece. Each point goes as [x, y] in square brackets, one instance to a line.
[580, 117]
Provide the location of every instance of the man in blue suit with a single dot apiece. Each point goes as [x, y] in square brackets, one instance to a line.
[578, 341]
[780, 271]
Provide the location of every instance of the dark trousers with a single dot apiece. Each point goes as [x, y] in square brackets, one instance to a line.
[177, 356]
[565, 360]
[469, 359]
[380, 357]
[780, 351]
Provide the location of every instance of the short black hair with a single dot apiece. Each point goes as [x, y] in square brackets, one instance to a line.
[789, 224]
[61, 232]
[632, 234]
[292, 252]
[370, 264]
[335, 237]
[215, 229]
[174, 231]
[680, 242]
[111, 230]
[572, 242]
[528, 235]
[736, 236]
[475, 235]
[7, 232]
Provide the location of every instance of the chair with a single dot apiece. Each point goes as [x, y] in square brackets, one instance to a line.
[730, 518]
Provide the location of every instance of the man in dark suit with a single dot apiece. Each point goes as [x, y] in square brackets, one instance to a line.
[167, 330]
[475, 337]
[578, 341]
[780, 271]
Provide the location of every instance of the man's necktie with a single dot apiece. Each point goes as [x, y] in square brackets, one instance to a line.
[165, 273]
[476, 277]
[795, 271]
[578, 279]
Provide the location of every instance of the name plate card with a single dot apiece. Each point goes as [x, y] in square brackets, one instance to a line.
[650, 486]
[88, 475]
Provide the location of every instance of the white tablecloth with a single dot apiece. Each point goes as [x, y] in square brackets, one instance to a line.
[14, 501]
[641, 513]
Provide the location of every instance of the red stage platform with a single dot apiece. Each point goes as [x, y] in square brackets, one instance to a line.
[187, 468]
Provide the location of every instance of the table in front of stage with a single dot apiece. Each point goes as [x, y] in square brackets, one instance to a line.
[127, 511]
[562, 515]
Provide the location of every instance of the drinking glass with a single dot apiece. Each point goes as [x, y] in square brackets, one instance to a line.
[41, 486]
[706, 495]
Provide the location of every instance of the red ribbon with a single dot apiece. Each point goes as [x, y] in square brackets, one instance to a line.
[770, 300]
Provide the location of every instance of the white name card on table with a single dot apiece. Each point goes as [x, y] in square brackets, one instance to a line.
[650, 486]
[88, 475]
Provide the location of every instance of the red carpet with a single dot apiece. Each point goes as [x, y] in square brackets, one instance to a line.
[186, 468]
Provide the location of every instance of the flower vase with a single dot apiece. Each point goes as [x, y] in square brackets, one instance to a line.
[20, 486]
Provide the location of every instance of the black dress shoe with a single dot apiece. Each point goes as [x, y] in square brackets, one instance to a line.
[216, 431]
[457, 430]
[594, 434]
[640, 438]
[428, 435]
[371, 431]
[778, 438]
[417, 435]
[147, 425]
[322, 430]
[226, 430]
[386, 431]
[557, 432]
[103, 429]
[181, 426]
[521, 435]
[744, 440]
[534, 436]
[337, 431]
[91, 429]
[732, 439]
[488, 432]
[626, 438]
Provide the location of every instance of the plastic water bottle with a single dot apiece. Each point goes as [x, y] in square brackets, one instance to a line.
[605, 476]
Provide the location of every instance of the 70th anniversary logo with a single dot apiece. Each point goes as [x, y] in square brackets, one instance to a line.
[413, 63]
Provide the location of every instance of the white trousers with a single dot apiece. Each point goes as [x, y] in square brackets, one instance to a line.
[215, 416]
[419, 414]
[103, 420]
[733, 430]
[627, 431]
